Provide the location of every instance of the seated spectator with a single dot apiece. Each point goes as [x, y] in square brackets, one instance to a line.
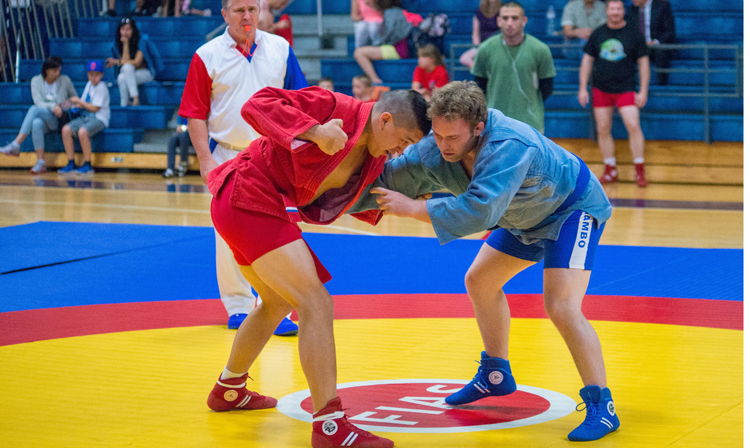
[391, 42]
[142, 8]
[93, 119]
[179, 8]
[50, 91]
[580, 18]
[326, 83]
[181, 137]
[367, 22]
[483, 25]
[430, 72]
[267, 21]
[137, 59]
[363, 90]
[656, 22]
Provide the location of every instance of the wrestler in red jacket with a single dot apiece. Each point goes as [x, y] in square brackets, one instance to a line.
[319, 150]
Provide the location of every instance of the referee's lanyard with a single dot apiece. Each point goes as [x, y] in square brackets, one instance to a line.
[249, 55]
[516, 75]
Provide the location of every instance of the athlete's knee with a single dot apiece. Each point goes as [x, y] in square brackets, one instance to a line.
[315, 303]
[562, 311]
[478, 285]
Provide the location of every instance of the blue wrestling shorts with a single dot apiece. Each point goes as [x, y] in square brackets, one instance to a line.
[574, 249]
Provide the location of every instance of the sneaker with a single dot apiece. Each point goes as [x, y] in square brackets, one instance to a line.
[286, 328]
[182, 168]
[231, 393]
[600, 415]
[493, 379]
[168, 173]
[39, 167]
[69, 168]
[610, 174]
[331, 428]
[11, 150]
[85, 169]
[235, 320]
[640, 175]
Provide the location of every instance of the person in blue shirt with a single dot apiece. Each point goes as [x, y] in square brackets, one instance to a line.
[544, 203]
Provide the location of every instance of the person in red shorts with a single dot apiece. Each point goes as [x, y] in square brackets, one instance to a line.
[430, 73]
[318, 151]
[615, 51]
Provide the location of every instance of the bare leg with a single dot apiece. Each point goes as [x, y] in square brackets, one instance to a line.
[564, 290]
[302, 290]
[488, 273]
[631, 118]
[83, 138]
[67, 137]
[364, 57]
[603, 116]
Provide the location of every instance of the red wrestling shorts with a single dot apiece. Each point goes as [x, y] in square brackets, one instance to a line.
[252, 234]
[604, 99]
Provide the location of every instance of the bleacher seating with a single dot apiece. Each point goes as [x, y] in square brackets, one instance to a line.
[664, 117]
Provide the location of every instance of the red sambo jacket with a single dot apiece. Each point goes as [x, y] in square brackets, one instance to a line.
[277, 165]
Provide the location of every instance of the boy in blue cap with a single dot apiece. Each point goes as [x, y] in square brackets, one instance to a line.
[94, 108]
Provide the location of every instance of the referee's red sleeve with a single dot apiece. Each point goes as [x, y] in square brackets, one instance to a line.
[196, 98]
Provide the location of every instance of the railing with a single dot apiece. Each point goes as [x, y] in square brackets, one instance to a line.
[706, 70]
[26, 26]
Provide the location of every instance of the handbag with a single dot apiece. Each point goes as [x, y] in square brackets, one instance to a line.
[69, 113]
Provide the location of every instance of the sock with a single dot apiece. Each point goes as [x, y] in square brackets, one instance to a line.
[638, 161]
[227, 374]
[611, 161]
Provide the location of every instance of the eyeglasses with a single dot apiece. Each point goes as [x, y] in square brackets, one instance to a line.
[124, 20]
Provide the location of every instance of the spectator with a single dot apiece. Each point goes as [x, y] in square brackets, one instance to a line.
[483, 26]
[430, 72]
[50, 91]
[180, 137]
[269, 9]
[391, 41]
[137, 59]
[182, 8]
[142, 8]
[613, 51]
[326, 83]
[580, 18]
[363, 90]
[367, 22]
[515, 70]
[656, 22]
[93, 119]
[223, 75]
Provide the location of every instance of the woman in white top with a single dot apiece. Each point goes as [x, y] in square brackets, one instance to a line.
[51, 93]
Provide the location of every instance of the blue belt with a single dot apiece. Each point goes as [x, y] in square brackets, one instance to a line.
[584, 175]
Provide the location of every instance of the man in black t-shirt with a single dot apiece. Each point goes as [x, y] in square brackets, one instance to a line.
[614, 51]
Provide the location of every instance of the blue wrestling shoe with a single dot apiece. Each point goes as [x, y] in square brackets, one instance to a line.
[601, 418]
[69, 168]
[493, 379]
[286, 328]
[235, 320]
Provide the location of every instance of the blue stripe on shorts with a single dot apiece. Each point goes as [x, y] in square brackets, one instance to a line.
[575, 248]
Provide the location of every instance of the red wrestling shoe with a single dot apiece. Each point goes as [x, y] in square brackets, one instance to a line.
[331, 428]
[610, 174]
[231, 394]
[640, 175]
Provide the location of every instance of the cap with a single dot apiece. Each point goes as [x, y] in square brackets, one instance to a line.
[95, 66]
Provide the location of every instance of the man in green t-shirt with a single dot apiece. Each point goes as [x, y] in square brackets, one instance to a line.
[515, 70]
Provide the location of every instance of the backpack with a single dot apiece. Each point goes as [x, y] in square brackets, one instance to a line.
[432, 30]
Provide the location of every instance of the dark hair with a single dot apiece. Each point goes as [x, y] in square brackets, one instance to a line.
[383, 5]
[51, 62]
[135, 38]
[513, 4]
[408, 107]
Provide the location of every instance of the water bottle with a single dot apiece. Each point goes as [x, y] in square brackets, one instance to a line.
[551, 20]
